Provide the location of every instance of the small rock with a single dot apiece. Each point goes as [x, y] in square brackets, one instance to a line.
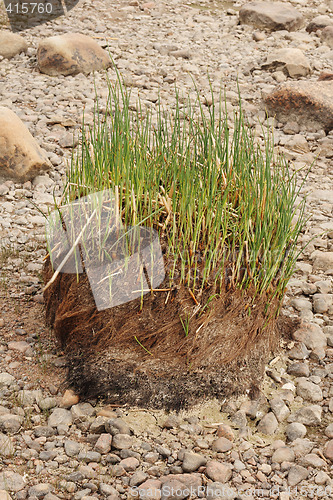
[309, 391]
[6, 447]
[318, 23]
[129, 464]
[296, 474]
[283, 454]
[225, 431]
[312, 336]
[308, 415]
[327, 36]
[299, 370]
[122, 442]
[103, 444]
[60, 416]
[295, 430]
[11, 44]
[69, 399]
[11, 481]
[268, 424]
[217, 471]
[328, 450]
[192, 461]
[40, 490]
[312, 460]
[279, 408]
[222, 445]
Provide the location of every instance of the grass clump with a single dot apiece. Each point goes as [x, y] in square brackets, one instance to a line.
[224, 206]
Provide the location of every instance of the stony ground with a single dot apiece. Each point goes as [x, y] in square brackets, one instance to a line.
[52, 446]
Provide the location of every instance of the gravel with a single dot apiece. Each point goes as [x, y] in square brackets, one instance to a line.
[54, 446]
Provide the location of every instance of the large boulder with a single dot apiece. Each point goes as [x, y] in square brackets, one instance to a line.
[305, 102]
[271, 16]
[291, 61]
[11, 44]
[21, 158]
[71, 54]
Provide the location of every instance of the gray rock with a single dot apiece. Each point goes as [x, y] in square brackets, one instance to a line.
[138, 478]
[312, 460]
[107, 489]
[295, 430]
[283, 454]
[117, 426]
[122, 442]
[302, 447]
[279, 408]
[6, 379]
[192, 461]
[171, 422]
[10, 423]
[47, 403]
[307, 103]
[11, 481]
[318, 23]
[89, 456]
[323, 261]
[309, 391]
[71, 54]
[222, 445]
[296, 474]
[271, 16]
[82, 412]
[308, 415]
[329, 431]
[312, 336]
[6, 446]
[21, 158]
[98, 425]
[11, 44]
[72, 448]
[44, 431]
[40, 490]
[299, 370]
[326, 36]
[60, 416]
[268, 424]
[28, 398]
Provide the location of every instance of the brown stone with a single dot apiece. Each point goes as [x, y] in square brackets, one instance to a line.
[225, 431]
[304, 101]
[69, 399]
[221, 445]
[327, 36]
[11, 44]
[271, 16]
[318, 23]
[21, 158]
[71, 54]
[218, 471]
[328, 450]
